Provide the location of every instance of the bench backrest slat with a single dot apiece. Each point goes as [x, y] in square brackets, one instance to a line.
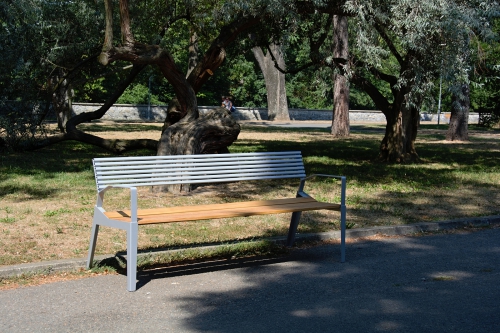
[186, 169]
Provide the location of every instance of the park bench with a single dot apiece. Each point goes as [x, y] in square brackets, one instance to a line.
[132, 172]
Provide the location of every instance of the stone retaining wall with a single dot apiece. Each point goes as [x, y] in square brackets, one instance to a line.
[127, 112]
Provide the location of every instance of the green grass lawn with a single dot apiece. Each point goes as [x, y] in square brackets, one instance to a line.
[47, 196]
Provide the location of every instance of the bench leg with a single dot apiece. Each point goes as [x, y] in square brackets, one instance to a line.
[342, 232]
[132, 235]
[294, 223]
[93, 240]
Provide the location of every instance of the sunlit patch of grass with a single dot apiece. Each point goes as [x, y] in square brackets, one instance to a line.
[50, 213]
[7, 220]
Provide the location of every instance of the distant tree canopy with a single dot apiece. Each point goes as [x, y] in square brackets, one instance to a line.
[485, 87]
[44, 46]
[398, 51]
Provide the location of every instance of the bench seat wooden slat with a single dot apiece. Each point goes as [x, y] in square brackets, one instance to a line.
[196, 208]
[237, 209]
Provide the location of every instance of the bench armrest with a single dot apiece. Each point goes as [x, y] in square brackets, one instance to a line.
[133, 199]
[343, 209]
[343, 180]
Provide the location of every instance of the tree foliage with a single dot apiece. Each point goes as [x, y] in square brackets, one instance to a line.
[399, 48]
[45, 44]
[403, 43]
[485, 82]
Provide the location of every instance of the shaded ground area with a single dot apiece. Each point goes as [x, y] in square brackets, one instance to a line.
[440, 283]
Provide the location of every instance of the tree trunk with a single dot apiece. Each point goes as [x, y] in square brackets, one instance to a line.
[459, 120]
[184, 131]
[61, 98]
[192, 53]
[398, 144]
[209, 134]
[205, 135]
[184, 109]
[402, 115]
[277, 105]
[340, 119]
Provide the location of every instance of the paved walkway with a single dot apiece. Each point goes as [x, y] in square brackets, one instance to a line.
[439, 283]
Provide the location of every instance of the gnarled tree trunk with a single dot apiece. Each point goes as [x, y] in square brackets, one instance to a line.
[184, 131]
[398, 144]
[209, 134]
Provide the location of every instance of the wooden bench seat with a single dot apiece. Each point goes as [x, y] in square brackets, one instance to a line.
[219, 211]
[132, 172]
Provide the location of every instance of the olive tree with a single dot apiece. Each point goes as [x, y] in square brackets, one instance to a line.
[48, 49]
[217, 24]
[398, 42]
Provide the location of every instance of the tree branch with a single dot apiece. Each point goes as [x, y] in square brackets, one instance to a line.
[314, 54]
[116, 146]
[120, 88]
[377, 97]
[108, 34]
[172, 21]
[127, 37]
[391, 79]
[216, 54]
[315, 45]
[389, 43]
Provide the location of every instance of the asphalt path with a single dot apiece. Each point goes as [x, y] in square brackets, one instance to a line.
[437, 283]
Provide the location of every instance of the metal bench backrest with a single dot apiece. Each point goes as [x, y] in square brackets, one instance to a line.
[191, 169]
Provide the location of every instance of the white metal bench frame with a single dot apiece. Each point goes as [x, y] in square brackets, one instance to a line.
[132, 172]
